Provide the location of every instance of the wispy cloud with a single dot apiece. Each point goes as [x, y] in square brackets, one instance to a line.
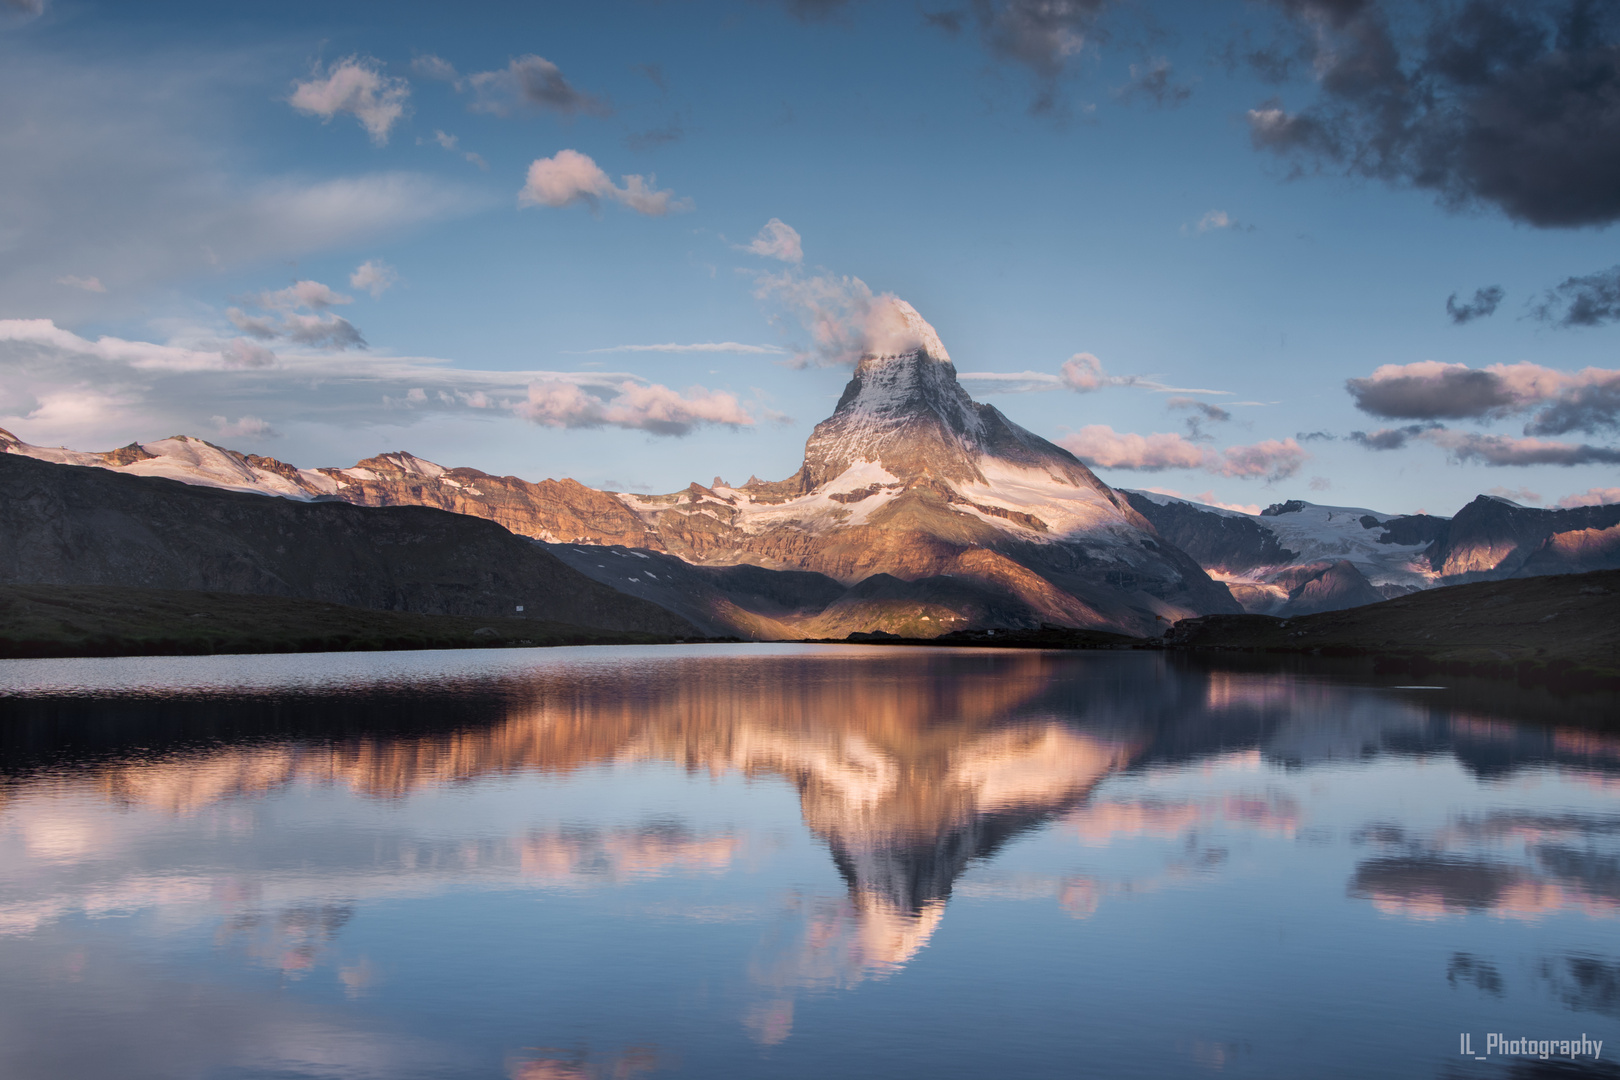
[88, 284]
[59, 388]
[1082, 373]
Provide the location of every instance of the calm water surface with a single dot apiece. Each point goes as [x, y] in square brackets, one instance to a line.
[792, 862]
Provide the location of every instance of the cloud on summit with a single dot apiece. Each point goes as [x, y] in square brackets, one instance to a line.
[846, 320]
[1507, 103]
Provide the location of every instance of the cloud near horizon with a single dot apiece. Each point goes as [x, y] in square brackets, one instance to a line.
[1100, 446]
[357, 86]
[569, 176]
[1586, 400]
[1591, 497]
[57, 388]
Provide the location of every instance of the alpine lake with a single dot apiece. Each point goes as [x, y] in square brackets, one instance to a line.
[799, 861]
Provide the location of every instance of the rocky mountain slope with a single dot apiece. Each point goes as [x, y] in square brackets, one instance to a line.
[1296, 557]
[63, 525]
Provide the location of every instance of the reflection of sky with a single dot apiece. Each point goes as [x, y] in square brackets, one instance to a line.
[697, 881]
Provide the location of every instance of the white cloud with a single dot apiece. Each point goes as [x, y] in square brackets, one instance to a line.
[356, 86]
[1101, 446]
[88, 284]
[777, 240]
[374, 276]
[57, 388]
[569, 176]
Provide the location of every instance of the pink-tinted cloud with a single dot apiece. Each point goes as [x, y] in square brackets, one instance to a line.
[569, 176]
[374, 276]
[1101, 446]
[358, 87]
[1274, 459]
[1430, 390]
[1504, 450]
[653, 408]
[777, 240]
[1592, 497]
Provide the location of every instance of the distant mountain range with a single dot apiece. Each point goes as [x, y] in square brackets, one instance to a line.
[1295, 557]
[917, 511]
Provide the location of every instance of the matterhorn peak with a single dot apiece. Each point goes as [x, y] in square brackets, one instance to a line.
[894, 328]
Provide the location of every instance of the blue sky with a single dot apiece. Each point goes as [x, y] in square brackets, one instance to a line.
[1134, 183]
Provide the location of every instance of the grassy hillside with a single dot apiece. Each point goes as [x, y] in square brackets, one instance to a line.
[108, 620]
[1563, 630]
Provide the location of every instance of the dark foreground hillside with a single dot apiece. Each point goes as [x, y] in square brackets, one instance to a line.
[1563, 630]
[66, 525]
[66, 620]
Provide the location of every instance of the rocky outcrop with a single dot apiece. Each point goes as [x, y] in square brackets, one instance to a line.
[1492, 538]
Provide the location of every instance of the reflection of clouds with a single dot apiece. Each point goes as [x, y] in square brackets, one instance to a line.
[1587, 983]
[1512, 864]
[582, 856]
[290, 940]
[1099, 823]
